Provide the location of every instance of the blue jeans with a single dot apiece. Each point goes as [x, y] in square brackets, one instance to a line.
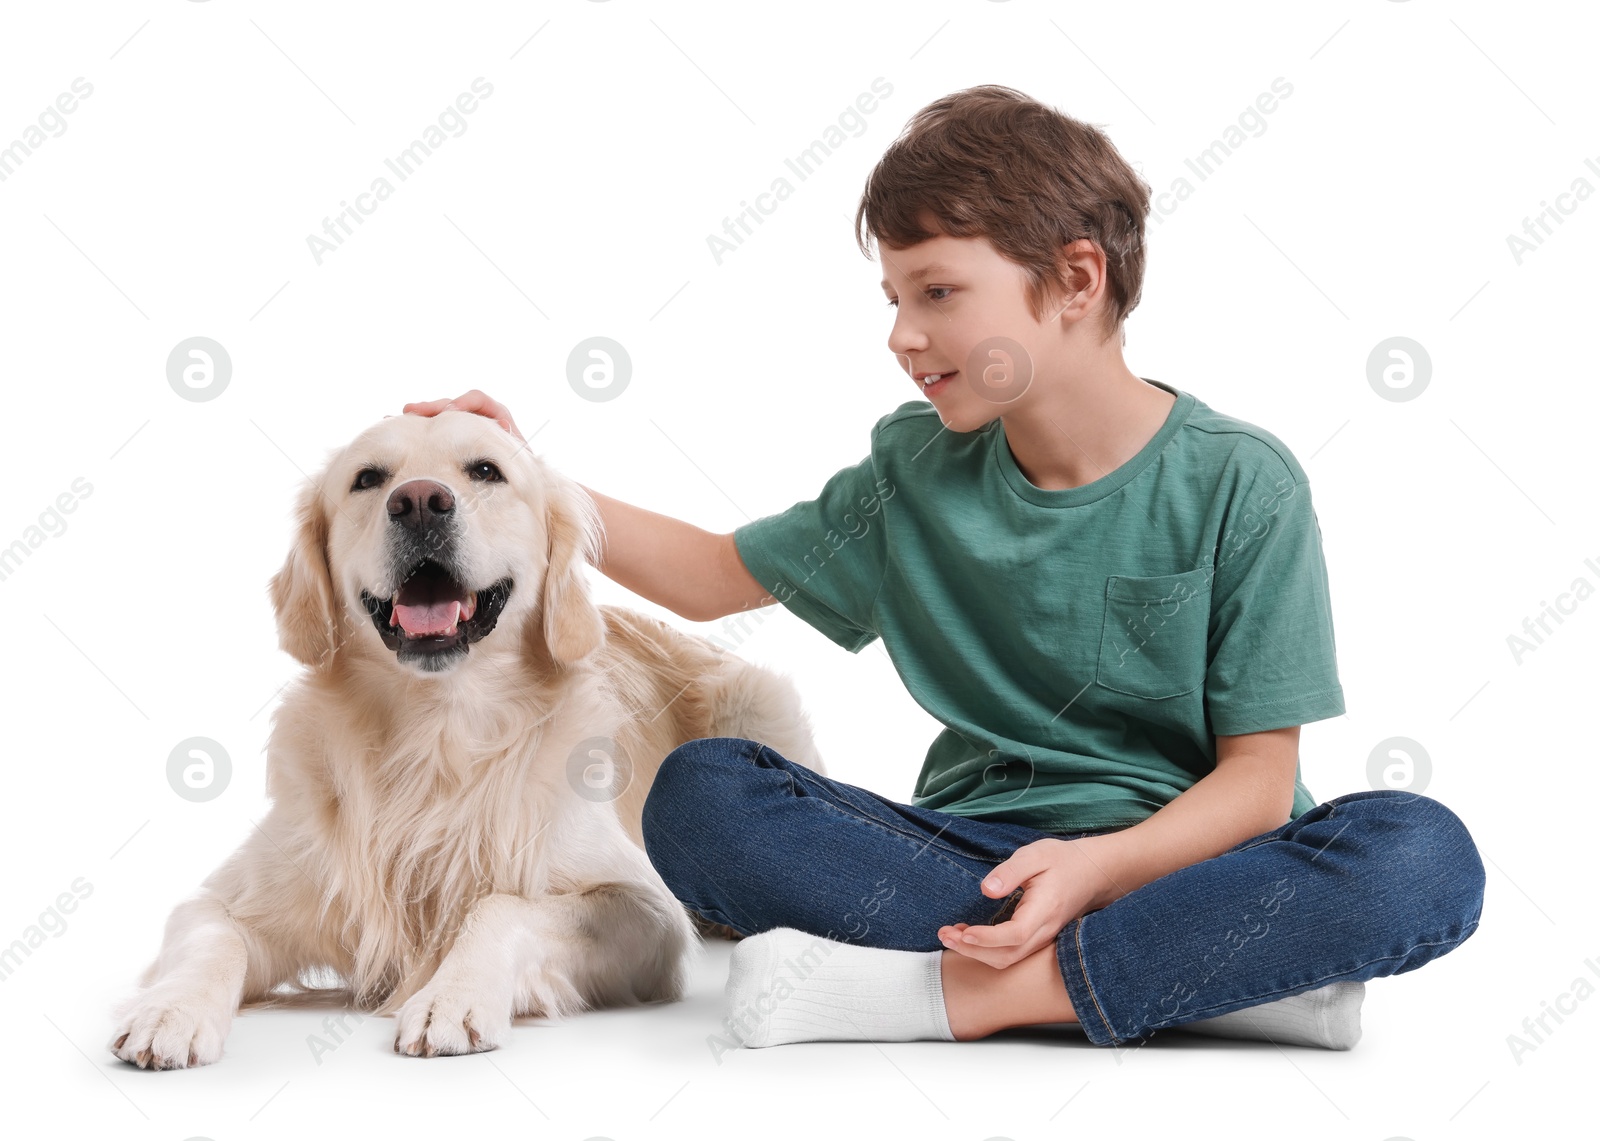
[1366, 884]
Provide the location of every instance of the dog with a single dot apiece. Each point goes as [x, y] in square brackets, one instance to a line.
[457, 776]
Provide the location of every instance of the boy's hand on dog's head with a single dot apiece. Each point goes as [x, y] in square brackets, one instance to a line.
[472, 401]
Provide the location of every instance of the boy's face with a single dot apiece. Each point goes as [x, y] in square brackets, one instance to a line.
[966, 314]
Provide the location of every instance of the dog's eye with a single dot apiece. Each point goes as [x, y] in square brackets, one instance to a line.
[485, 472]
[368, 477]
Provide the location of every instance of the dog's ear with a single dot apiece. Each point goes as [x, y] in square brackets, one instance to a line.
[310, 628]
[573, 626]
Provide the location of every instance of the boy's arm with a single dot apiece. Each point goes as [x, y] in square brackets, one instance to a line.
[1249, 792]
[694, 573]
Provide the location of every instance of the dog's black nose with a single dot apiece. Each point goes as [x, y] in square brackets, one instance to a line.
[420, 504]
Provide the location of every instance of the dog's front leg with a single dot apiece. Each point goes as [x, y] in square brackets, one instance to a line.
[188, 996]
[554, 955]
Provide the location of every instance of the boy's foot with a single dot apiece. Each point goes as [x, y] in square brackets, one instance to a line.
[785, 985]
[1329, 1016]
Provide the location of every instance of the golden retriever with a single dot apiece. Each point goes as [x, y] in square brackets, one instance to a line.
[457, 777]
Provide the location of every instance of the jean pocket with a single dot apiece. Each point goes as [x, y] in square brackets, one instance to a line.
[1153, 636]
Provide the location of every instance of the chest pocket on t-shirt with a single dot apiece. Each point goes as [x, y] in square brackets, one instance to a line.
[1153, 637]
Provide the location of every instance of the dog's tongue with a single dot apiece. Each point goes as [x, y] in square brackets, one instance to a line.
[428, 618]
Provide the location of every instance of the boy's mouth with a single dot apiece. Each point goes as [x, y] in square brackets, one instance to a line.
[930, 386]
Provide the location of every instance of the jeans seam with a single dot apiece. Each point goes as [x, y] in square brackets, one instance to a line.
[855, 812]
[1083, 969]
[717, 915]
[940, 850]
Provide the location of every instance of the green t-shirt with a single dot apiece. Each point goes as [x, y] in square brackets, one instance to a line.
[1081, 646]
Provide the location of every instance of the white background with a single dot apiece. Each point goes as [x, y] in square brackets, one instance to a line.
[1375, 201]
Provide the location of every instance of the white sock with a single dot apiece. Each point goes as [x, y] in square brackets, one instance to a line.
[1329, 1016]
[786, 985]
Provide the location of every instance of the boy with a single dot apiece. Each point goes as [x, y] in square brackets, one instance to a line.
[1112, 596]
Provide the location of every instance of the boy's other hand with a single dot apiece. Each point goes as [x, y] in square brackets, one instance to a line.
[471, 401]
[1059, 882]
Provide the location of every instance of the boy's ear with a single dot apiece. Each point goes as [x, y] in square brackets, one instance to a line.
[1070, 280]
[310, 624]
[572, 626]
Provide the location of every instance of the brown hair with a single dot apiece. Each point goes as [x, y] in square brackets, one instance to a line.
[991, 162]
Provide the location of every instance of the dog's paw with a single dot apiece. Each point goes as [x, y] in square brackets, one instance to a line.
[169, 1029]
[451, 1019]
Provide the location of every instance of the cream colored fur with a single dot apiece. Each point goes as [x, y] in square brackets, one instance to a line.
[440, 841]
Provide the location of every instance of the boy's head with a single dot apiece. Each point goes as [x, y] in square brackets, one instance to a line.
[1036, 204]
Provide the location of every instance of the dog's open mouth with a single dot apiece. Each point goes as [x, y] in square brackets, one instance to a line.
[433, 614]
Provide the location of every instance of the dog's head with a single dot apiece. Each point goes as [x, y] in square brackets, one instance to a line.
[423, 535]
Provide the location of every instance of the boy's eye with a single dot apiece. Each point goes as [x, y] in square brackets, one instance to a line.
[895, 304]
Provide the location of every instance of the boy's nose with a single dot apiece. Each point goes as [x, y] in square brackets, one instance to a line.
[904, 340]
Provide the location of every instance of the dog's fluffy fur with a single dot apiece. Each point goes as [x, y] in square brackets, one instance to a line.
[455, 835]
